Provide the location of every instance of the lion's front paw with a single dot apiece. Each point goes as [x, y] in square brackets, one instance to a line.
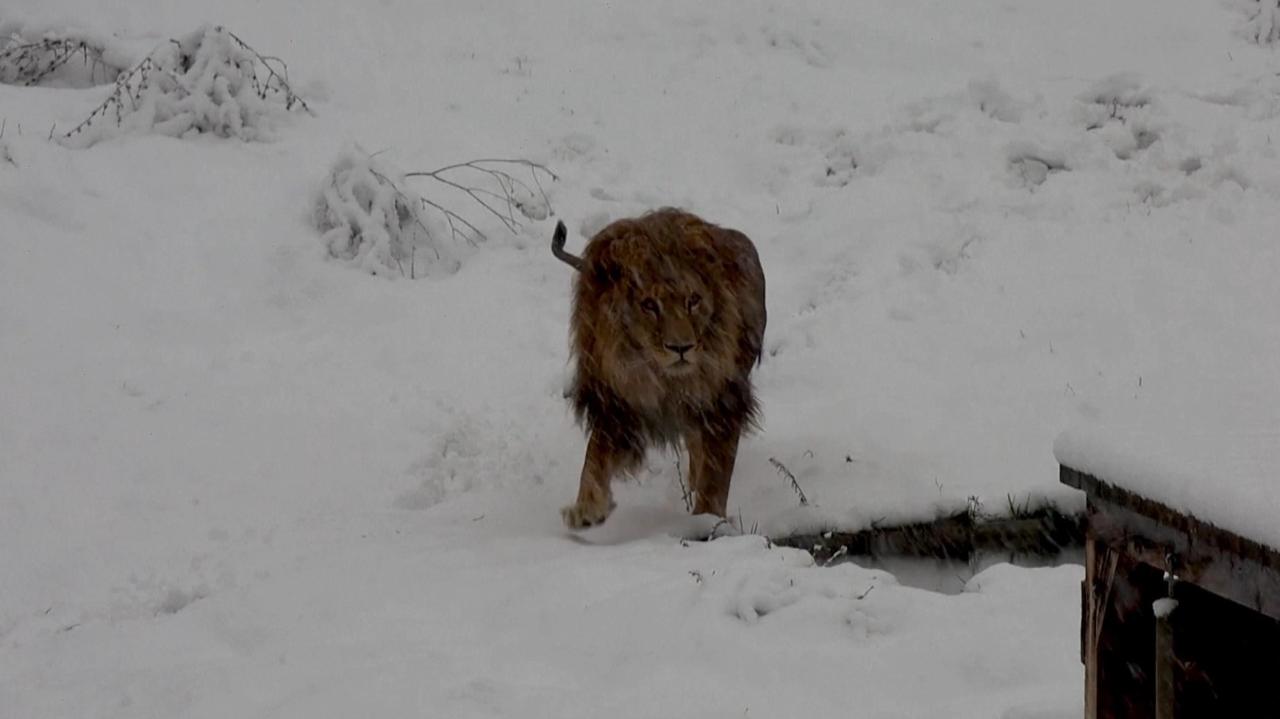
[581, 516]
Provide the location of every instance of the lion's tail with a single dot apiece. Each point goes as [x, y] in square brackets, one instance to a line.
[557, 247]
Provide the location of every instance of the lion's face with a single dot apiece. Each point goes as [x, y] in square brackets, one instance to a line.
[670, 321]
[668, 316]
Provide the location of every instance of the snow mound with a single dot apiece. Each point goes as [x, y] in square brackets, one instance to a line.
[209, 81]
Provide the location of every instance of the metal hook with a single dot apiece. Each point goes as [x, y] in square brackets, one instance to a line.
[1170, 565]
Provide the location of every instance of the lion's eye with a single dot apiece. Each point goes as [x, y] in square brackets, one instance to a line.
[650, 305]
[694, 300]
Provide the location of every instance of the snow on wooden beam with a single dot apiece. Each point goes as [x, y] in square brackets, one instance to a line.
[1227, 564]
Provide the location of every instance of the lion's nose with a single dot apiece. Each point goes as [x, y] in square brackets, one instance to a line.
[680, 349]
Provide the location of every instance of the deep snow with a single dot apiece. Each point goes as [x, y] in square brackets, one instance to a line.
[242, 479]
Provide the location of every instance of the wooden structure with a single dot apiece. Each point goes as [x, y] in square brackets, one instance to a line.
[1215, 652]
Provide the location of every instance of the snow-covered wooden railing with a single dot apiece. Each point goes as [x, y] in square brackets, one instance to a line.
[1223, 562]
[1142, 556]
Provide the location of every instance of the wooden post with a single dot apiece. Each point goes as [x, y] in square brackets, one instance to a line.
[1100, 573]
[1089, 629]
[1164, 656]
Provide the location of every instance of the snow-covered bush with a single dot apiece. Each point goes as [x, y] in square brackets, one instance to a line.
[57, 59]
[208, 81]
[368, 220]
[369, 217]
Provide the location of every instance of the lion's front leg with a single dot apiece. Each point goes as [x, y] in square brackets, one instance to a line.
[711, 459]
[595, 495]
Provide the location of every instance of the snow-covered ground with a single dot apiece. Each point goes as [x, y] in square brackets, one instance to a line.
[239, 478]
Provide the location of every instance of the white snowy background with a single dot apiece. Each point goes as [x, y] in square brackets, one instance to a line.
[239, 478]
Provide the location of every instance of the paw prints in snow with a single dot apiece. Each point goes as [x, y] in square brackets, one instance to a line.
[476, 454]
[1121, 109]
[833, 157]
[800, 598]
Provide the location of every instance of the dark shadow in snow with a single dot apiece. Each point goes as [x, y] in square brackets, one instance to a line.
[936, 554]
[175, 600]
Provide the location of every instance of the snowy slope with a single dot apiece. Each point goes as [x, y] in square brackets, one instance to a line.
[239, 478]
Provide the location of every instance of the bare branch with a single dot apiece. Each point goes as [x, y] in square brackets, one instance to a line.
[409, 201]
[502, 203]
[276, 81]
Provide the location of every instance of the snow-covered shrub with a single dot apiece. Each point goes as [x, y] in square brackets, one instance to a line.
[208, 81]
[368, 220]
[369, 216]
[57, 59]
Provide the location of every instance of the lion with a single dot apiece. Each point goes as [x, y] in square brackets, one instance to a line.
[667, 323]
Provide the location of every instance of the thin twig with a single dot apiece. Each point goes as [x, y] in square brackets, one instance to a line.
[141, 71]
[499, 161]
[795, 485]
[452, 217]
[501, 204]
[842, 551]
[409, 202]
[291, 98]
[685, 492]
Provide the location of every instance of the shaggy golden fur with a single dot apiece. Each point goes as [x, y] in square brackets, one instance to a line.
[668, 321]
